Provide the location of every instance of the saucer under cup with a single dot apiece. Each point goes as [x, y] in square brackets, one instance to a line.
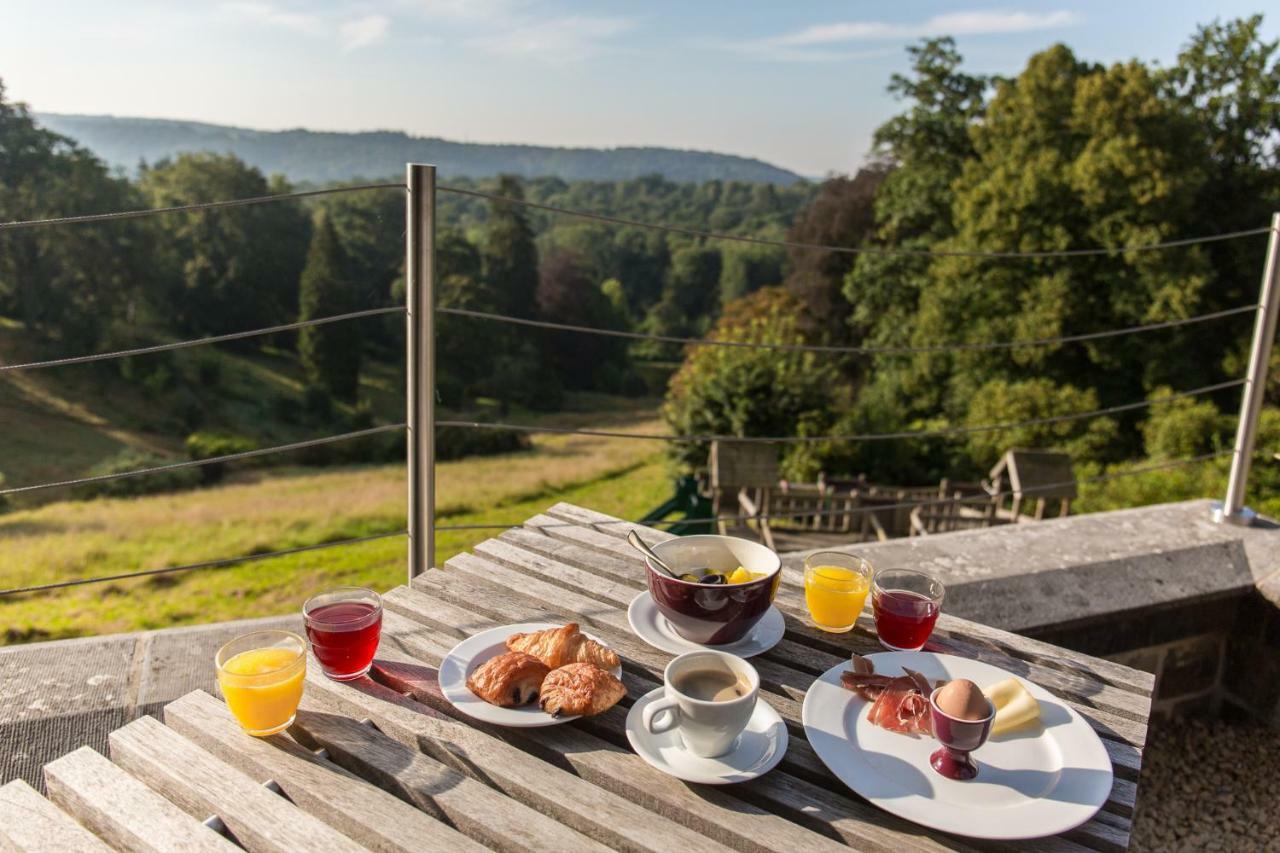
[651, 626]
[757, 750]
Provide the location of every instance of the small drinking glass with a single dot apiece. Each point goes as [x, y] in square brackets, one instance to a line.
[835, 589]
[344, 626]
[906, 604]
[261, 676]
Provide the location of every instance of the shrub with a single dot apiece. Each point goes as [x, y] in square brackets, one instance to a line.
[4, 499]
[147, 484]
[1183, 427]
[207, 445]
[753, 392]
[1000, 401]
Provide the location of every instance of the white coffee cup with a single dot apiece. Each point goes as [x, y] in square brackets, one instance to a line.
[707, 727]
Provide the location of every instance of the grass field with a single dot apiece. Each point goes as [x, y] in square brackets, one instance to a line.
[287, 509]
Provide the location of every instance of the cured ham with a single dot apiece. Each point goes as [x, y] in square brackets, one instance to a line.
[898, 703]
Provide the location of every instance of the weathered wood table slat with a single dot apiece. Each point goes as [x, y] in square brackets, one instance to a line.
[386, 763]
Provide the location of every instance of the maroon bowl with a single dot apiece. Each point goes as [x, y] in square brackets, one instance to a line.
[723, 613]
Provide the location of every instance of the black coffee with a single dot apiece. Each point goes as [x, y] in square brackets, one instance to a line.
[711, 685]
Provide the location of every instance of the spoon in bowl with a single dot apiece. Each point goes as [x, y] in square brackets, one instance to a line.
[639, 545]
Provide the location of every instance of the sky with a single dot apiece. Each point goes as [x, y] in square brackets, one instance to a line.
[800, 84]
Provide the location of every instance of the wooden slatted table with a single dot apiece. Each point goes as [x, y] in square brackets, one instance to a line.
[385, 762]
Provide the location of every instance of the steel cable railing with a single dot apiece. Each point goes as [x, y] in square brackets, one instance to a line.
[212, 460]
[851, 250]
[223, 563]
[890, 350]
[181, 208]
[961, 430]
[228, 562]
[869, 436]
[198, 342]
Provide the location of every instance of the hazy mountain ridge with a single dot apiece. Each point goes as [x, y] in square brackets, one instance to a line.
[325, 156]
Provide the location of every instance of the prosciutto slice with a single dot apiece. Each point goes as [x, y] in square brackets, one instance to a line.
[898, 703]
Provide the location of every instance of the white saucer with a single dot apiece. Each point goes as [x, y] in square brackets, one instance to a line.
[652, 627]
[758, 749]
[475, 650]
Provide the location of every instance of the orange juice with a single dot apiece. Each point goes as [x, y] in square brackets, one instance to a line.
[263, 687]
[835, 595]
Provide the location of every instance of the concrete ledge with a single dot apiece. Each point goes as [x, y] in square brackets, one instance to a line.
[58, 695]
[1027, 576]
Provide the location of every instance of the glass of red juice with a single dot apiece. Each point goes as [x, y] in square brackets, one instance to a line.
[906, 603]
[344, 626]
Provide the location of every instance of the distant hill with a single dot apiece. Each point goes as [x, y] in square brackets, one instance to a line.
[323, 157]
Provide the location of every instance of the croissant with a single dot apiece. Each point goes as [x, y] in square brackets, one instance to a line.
[580, 689]
[508, 680]
[558, 646]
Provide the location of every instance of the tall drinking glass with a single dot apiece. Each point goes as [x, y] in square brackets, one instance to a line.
[906, 604]
[261, 677]
[344, 626]
[835, 589]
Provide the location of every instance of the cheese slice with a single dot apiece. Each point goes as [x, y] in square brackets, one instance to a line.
[1014, 705]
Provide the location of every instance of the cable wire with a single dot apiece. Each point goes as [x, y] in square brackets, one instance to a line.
[196, 463]
[974, 499]
[958, 347]
[232, 561]
[849, 250]
[206, 205]
[874, 436]
[198, 342]
[223, 563]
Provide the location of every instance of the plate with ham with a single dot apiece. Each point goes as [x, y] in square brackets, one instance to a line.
[868, 719]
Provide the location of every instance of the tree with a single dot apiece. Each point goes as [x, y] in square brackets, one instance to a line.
[1069, 154]
[231, 269]
[369, 224]
[751, 392]
[747, 268]
[509, 256]
[68, 282]
[842, 214]
[330, 353]
[567, 294]
[924, 150]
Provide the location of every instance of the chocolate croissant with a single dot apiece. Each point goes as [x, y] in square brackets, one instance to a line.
[580, 689]
[508, 680]
[558, 646]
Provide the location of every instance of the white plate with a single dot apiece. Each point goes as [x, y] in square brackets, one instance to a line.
[475, 650]
[1038, 781]
[759, 748]
[650, 625]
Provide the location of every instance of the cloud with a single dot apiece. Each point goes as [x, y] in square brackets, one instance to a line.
[953, 23]
[815, 43]
[363, 32]
[560, 40]
[268, 15]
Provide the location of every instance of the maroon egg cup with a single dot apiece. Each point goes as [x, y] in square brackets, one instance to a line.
[711, 615]
[958, 738]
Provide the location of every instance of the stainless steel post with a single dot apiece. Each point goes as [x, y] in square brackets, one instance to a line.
[420, 362]
[1233, 510]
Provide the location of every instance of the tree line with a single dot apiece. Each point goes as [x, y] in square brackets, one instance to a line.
[1065, 154]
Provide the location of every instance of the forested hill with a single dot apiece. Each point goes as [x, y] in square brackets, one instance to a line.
[321, 157]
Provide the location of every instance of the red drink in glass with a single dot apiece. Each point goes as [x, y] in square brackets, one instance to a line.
[344, 627]
[906, 606]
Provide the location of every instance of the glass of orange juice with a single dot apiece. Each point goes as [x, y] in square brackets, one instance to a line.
[835, 588]
[261, 677]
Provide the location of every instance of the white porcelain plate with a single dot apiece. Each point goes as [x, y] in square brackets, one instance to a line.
[758, 750]
[1041, 780]
[651, 626]
[463, 659]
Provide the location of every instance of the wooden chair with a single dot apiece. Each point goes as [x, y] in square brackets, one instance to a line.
[1040, 474]
[743, 479]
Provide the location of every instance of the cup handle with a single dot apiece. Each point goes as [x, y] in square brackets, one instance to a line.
[650, 716]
